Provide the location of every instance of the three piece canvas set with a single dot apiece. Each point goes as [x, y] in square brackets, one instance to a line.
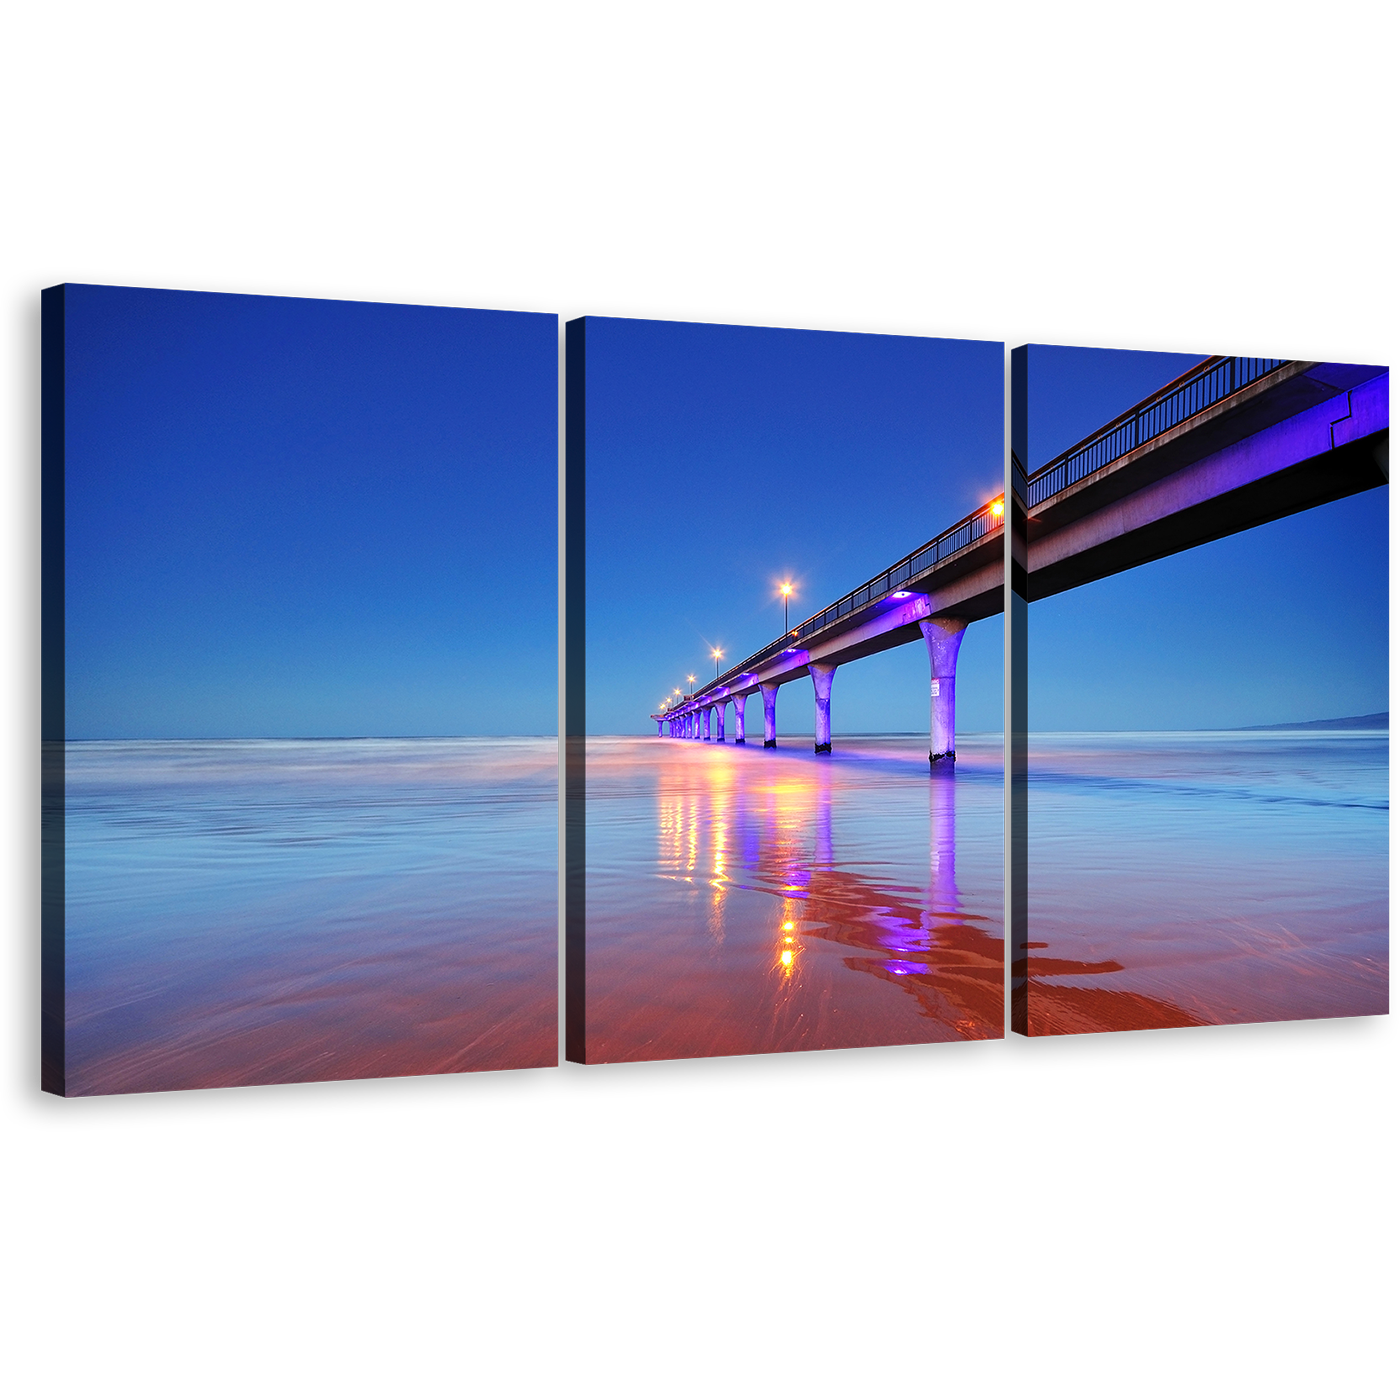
[833, 671]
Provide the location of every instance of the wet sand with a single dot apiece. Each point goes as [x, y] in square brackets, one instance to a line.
[743, 900]
[268, 912]
[1205, 878]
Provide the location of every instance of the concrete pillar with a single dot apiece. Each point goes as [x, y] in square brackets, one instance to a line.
[943, 635]
[661, 729]
[770, 716]
[705, 722]
[719, 721]
[821, 683]
[739, 718]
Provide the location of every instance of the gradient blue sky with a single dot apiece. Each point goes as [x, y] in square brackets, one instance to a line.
[308, 518]
[1286, 622]
[722, 459]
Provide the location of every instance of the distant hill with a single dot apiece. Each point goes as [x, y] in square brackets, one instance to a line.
[1380, 721]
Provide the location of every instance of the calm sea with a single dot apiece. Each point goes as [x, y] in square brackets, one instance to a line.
[742, 899]
[1188, 878]
[250, 912]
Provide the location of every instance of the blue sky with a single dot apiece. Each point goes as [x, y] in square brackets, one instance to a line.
[722, 459]
[1282, 623]
[288, 517]
[296, 517]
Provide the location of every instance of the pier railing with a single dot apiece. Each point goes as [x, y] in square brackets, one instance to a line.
[1201, 387]
[967, 531]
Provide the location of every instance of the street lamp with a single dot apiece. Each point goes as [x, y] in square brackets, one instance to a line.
[785, 589]
[691, 679]
[716, 653]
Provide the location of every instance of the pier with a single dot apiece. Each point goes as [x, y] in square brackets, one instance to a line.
[1232, 443]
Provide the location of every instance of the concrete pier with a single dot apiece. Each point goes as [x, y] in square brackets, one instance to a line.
[719, 721]
[821, 684]
[1229, 446]
[770, 716]
[705, 722]
[943, 636]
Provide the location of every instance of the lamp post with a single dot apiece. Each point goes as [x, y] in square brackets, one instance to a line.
[785, 589]
[716, 653]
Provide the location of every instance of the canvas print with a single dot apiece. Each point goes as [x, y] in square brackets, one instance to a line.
[783, 730]
[300, 640]
[1200, 704]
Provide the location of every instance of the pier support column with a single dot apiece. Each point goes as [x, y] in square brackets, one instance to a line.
[661, 729]
[770, 716]
[943, 636]
[739, 718]
[821, 683]
[719, 721]
[705, 722]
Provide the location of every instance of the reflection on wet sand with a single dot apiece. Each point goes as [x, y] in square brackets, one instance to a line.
[1042, 1007]
[796, 912]
[1067, 1011]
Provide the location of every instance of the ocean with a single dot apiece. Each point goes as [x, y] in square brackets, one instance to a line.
[1201, 878]
[242, 912]
[265, 911]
